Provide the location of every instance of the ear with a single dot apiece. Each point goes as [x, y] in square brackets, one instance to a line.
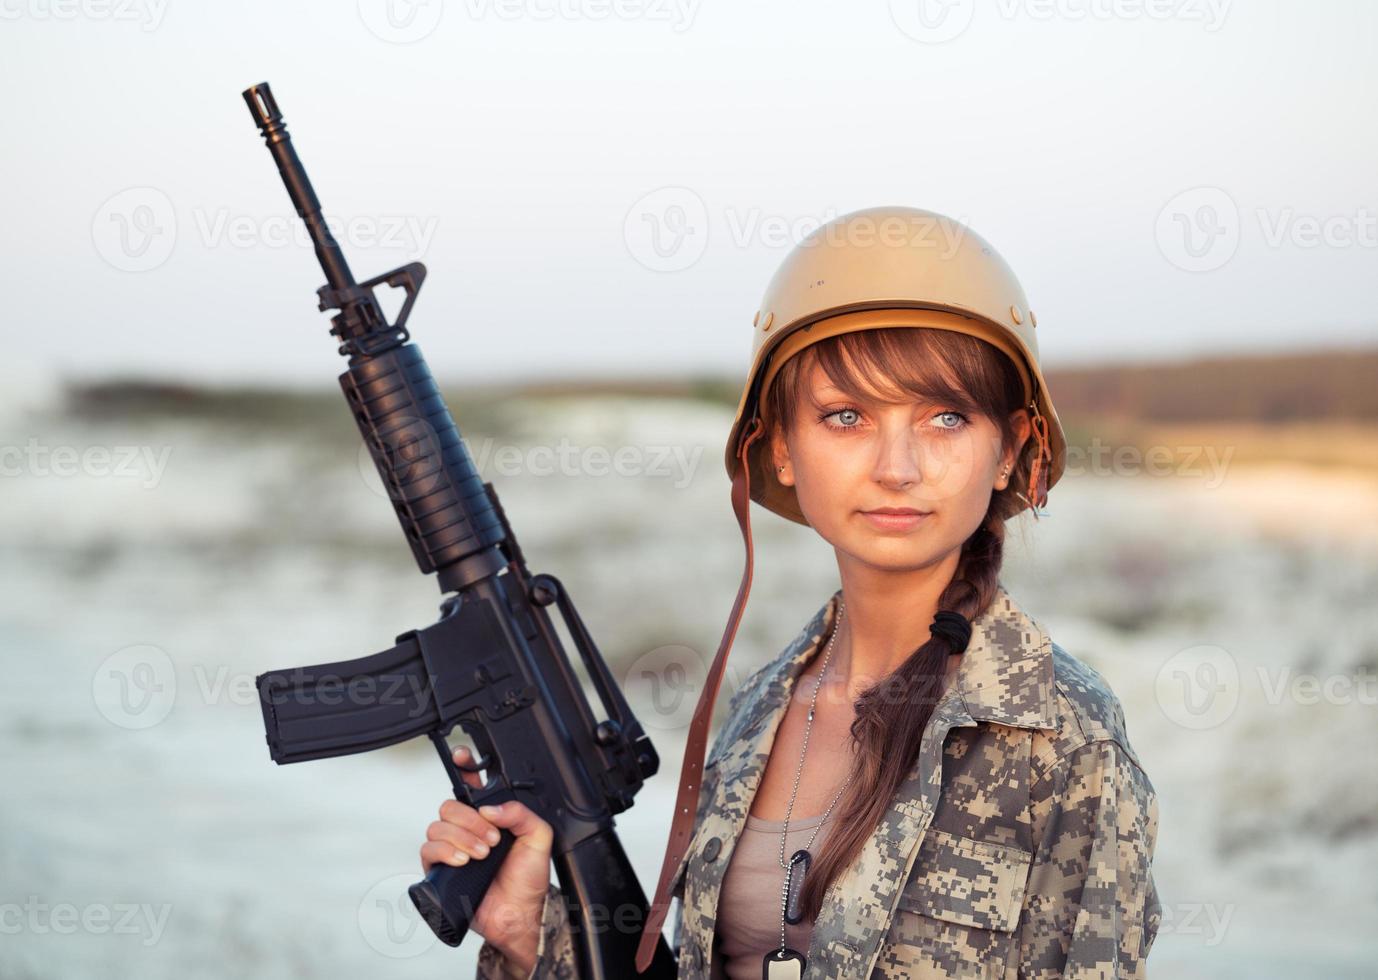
[779, 456]
[1023, 427]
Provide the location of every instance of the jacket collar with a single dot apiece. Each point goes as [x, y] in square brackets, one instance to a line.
[1005, 675]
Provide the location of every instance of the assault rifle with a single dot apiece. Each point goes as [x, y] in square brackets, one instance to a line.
[492, 664]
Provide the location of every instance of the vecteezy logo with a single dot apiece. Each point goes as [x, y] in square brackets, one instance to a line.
[932, 21]
[414, 452]
[667, 229]
[1198, 230]
[663, 686]
[135, 686]
[389, 922]
[1198, 688]
[135, 229]
[400, 21]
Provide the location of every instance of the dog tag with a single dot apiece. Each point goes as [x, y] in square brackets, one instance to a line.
[786, 965]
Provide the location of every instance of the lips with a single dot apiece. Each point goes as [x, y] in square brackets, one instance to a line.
[893, 519]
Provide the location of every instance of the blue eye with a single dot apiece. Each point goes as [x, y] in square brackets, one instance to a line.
[956, 415]
[841, 411]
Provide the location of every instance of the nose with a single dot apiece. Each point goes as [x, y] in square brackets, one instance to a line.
[898, 456]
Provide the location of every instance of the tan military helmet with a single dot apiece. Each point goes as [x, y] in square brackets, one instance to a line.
[890, 267]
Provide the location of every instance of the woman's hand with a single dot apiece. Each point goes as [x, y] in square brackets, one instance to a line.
[509, 916]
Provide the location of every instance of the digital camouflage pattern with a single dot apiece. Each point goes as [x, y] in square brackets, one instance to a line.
[1020, 846]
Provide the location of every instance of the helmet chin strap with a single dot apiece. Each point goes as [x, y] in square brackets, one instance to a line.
[691, 770]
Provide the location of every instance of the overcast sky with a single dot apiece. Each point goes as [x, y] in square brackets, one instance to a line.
[602, 187]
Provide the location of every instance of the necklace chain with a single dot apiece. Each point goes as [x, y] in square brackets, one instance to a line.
[789, 810]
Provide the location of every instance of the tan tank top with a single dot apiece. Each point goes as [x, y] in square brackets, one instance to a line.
[748, 916]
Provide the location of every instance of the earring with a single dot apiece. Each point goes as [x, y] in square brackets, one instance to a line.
[779, 469]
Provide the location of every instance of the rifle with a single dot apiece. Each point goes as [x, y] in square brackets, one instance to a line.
[492, 664]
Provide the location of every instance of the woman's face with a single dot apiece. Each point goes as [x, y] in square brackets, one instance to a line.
[846, 458]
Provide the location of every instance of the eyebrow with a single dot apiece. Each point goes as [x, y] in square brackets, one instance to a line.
[828, 392]
[832, 389]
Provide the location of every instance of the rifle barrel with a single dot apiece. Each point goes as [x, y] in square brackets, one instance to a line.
[264, 109]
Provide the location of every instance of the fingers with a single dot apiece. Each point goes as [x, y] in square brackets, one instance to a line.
[463, 757]
[526, 826]
[515, 816]
[464, 843]
[439, 852]
[463, 834]
[465, 818]
[444, 852]
[458, 836]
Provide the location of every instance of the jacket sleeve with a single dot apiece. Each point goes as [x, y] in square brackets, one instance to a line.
[1091, 909]
[554, 950]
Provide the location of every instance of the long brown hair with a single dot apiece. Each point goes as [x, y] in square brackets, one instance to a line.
[903, 363]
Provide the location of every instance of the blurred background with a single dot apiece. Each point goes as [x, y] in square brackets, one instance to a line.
[600, 192]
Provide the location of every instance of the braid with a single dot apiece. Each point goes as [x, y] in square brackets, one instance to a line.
[895, 711]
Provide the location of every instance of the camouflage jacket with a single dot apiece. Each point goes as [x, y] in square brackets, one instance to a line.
[1020, 846]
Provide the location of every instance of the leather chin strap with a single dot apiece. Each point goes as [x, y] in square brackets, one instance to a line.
[691, 771]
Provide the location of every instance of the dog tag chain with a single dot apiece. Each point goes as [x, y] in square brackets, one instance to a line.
[784, 963]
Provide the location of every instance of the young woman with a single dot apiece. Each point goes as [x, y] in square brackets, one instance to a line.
[923, 784]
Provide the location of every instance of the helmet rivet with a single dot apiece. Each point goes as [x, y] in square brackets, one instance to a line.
[770, 318]
[1014, 314]
[756, 319]
[1033, 320]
